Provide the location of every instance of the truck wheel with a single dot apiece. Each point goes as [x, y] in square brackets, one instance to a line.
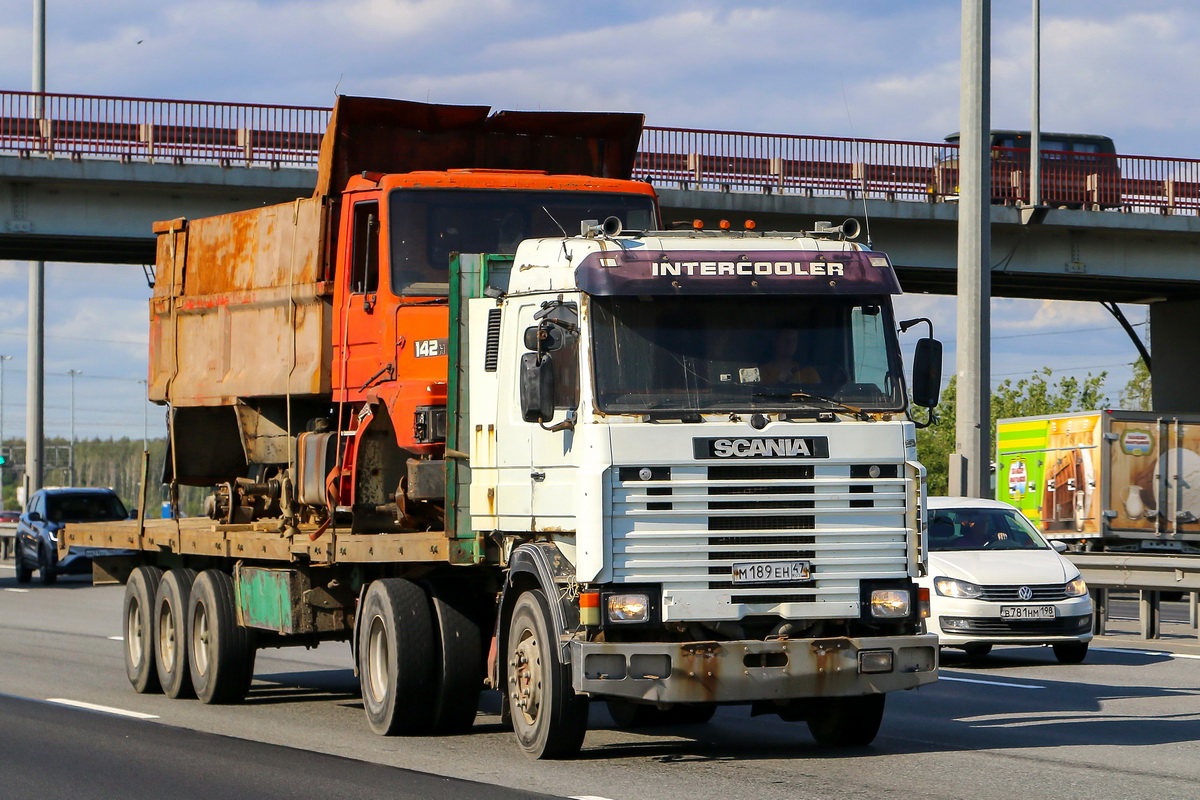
[845, 721]
[460, 676]
[1070, 652]
[170, 622]
[220, 652]
[138, 613]
[396, 657]
[548, 718]
[47, 566]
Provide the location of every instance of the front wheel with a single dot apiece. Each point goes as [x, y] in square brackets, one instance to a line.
[1070, 652]
[549, 719]
[846, 721]
[220, 652]
[977, 650]
[24, 573]
[47, 565]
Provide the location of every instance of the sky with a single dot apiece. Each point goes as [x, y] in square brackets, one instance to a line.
[860, 68]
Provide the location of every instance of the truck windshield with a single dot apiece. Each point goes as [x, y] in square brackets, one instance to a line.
[719, 354]
[427, 225]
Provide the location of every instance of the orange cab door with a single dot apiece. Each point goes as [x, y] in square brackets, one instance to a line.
[359, 320]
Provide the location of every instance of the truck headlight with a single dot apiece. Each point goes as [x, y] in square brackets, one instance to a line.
[628, 607]
[949, 587]
[890, 603]
[1077, 587]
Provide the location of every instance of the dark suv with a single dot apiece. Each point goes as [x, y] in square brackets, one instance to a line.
[45, 514]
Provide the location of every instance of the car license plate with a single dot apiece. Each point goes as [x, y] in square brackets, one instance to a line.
[771, 571]
[1026, 612]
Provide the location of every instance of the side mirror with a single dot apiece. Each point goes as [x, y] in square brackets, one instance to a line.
[1058, 545]
[537, 388]
[34, 516]
[927, 373]
[544, 338]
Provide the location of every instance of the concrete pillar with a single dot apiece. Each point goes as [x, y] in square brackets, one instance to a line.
[1174, 376]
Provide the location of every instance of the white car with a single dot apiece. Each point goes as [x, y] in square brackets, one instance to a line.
[994, 580]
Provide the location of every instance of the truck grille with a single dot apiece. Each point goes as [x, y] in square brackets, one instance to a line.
[686, 526]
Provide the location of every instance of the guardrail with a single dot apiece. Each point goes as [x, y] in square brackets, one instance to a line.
[255, 135]
[1149, 575]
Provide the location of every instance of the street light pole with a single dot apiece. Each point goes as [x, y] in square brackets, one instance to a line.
[71, 450]
[35, 384]
[1035, 128]
[2, 466]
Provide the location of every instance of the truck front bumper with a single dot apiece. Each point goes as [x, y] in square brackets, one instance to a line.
[744, 671]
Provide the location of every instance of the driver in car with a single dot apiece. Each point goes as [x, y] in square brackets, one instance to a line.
[976, 531]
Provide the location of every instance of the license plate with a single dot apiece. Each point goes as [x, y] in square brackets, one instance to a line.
[771, 571]
[1026, 612]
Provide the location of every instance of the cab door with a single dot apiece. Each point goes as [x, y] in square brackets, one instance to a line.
[359, 319]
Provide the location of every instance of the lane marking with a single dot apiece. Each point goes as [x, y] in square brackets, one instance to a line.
[1166, 653]
[117, 638]
[586, 797]
[19, 591]
[991, 683]
[121, 712]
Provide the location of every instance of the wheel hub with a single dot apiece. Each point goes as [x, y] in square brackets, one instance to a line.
[525, 677]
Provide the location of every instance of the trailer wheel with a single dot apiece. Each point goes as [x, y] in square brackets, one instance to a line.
[170, 622]
[549, 719]
[845, 721]
[396, 657]
[220, 652]
[461, 678]
[138, 613]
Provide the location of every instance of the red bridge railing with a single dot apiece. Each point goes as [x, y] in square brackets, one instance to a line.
[252, 135]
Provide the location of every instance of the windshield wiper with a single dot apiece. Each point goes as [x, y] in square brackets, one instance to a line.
[857, 412]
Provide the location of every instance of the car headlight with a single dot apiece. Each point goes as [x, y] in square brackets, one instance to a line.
[628, 607]
[950, 587]
[1077, 587]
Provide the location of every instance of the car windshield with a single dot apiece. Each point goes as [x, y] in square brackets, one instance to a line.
[695, 354]
[83, 507]
[982, 529]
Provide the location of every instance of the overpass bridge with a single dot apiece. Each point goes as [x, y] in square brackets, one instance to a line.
[83, 179]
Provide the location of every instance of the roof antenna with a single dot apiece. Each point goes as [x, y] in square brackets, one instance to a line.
[556, 222]
[863, 176]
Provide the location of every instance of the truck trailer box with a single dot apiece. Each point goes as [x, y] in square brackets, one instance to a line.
[1112, 479]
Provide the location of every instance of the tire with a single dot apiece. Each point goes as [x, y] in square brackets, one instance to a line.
[549, 719]
[170, 640]
[846, 721]
[24, 573]
[1070, 652]
[137, 612]
[47, 565]
[977, 650]
[220, 652]
[397, 658]
[460, 677]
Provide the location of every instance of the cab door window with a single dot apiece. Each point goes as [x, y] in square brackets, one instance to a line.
[364, 273]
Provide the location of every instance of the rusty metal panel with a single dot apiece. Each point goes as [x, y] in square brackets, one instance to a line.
[241, 307]
[368, 133]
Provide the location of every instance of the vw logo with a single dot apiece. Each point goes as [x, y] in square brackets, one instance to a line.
[1025, 593]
